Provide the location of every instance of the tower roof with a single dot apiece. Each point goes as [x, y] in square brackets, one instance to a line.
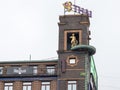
[89, 48]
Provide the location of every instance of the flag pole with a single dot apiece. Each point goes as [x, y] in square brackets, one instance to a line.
[74, 4]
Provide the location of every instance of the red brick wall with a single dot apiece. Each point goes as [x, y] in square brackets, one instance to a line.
[1, 85]
[17, 85]
[53, 85]
[36, 85]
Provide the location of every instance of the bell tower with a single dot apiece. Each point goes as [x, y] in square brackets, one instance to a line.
[73, 31]
[74, 52]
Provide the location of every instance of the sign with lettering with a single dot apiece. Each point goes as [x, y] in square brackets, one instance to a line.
[19, 70]
[68, 7]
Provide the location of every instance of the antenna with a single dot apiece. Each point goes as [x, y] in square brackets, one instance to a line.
[30, 57]
[74, 2]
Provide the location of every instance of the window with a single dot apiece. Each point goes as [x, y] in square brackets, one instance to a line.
[72, 60]
[1, 70]
[72, 85]
[35, 70]
[8, 86]
[27, 86]
[45, 86]
[69, 41]
[51, 70]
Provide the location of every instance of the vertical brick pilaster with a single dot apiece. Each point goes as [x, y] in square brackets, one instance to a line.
[36, 85]
[1, 85]
[53, 85]
[17, 85]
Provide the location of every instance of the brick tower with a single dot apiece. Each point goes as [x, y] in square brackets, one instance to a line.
[73, 70]
[74, 52]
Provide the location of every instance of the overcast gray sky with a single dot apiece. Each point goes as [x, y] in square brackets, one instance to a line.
[30, 27]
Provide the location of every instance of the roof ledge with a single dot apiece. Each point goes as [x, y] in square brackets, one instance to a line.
[89, 48]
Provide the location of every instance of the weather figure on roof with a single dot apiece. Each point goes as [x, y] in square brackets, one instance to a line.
[67, 6]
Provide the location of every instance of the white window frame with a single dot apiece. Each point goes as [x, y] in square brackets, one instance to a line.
[45, 86]
[27, 86]
[1, 70]
[72, 60]
[50, 70]
[8, 86]
[72, 85]
[35, 70]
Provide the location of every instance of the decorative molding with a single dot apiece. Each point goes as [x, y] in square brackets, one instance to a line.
[71, 79]
[76, 69]
[27, 78]
[61, 23]
[84, 23]
[72, 57]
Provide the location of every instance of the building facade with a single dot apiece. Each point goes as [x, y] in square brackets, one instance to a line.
[73, 70]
